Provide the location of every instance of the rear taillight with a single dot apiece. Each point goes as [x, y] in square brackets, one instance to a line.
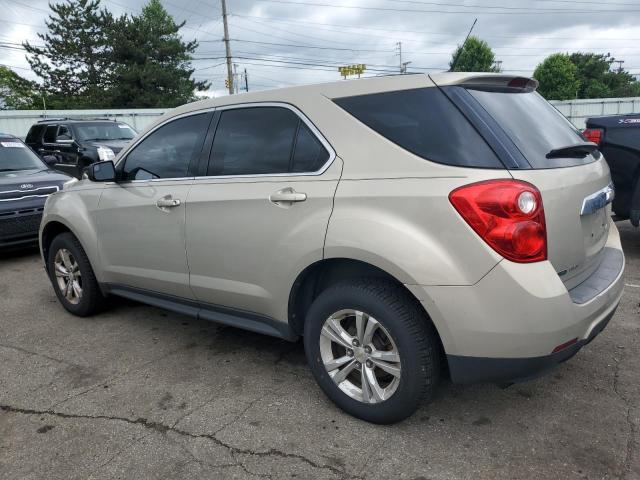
[593, 135]
[508, 215]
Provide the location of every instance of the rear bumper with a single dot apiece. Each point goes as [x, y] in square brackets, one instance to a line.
[477, 369]
[507, 326]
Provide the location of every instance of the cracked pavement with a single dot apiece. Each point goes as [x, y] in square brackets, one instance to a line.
[137, 392]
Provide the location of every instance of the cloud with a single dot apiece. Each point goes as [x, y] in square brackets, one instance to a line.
[273, 40]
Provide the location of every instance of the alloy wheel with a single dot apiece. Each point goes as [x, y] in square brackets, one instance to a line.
[360, 356]
[68, 276]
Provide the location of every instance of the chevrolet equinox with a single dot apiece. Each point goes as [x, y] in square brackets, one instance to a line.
[400, 225]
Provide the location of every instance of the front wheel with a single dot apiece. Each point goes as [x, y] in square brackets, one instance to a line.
[72, 277]
[371, 350]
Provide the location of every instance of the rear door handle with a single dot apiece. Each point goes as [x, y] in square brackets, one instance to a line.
[287, 195]
[167, 202]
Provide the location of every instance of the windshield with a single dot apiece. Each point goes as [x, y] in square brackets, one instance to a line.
[15, 155]
[103, 131]
[535, 127]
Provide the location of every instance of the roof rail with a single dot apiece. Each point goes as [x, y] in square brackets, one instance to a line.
[52, 119]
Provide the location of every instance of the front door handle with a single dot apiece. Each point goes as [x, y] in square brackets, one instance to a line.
[287, 195]
[167, 202]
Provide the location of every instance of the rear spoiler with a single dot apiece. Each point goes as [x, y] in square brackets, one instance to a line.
[486, 81]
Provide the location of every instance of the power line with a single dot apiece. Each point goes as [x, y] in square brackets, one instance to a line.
[421, 32]
[409, 10]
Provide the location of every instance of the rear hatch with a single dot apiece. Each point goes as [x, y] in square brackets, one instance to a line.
[540, 146]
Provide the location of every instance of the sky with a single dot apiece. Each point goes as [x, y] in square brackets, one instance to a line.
[293, 42]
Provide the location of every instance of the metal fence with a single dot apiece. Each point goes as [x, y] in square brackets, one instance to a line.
[17, 122]
[579, 110]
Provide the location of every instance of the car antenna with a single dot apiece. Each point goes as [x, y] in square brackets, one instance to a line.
[455, 60]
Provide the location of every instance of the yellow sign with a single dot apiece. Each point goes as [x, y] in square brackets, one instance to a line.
[357, 69]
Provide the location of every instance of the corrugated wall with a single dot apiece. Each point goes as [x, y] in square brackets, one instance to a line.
[18, 122]
[579, 110]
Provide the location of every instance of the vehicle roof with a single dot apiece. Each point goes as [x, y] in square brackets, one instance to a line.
[8, 136]
[59, 121]
[346, 88]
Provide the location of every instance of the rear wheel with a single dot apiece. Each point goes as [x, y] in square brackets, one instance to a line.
[72, 276]
[371, 350]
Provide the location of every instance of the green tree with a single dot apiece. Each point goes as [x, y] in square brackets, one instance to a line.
[476, 56]
[597, 80]
[152, 65]
[16, 92]
[558, 77]
[75, 58]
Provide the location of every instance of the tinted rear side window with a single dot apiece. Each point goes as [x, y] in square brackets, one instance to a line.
[50, 134]
[264, 140]
[425, 122]
[34, 134]
[533, 125]
[309, 154]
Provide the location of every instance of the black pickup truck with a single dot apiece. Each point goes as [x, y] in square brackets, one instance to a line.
[618, 137]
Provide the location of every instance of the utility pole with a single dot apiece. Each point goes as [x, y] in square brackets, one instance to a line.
[619, 62]
[399, 47]
[227, 46]
[246, 81]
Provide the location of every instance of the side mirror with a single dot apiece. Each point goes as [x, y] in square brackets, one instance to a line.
[50, 160]
[101, 172]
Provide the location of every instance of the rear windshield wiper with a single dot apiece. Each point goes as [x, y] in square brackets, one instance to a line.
[579, 150]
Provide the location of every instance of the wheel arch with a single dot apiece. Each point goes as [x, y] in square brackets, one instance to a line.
[322, 274]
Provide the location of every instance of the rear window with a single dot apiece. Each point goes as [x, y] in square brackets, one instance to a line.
[533, 125]
[425, 122]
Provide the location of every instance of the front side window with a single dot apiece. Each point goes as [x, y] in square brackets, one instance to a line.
[169, 150]
[103, 131]
[63, 133]
[264, 140]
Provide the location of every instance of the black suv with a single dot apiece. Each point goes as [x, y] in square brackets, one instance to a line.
[25, 184]
[618, 137]
[72, 145]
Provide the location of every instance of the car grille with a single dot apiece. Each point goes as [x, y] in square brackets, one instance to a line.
[21, 194]
[19, 225]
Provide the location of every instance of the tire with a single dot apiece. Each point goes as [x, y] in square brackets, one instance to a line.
[90, 299]
[412, 336]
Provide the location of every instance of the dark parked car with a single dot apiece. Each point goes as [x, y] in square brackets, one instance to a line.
[618, 137]
[72, 145]
[25, 183]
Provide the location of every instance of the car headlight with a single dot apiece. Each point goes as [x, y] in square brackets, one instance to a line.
[105, 153]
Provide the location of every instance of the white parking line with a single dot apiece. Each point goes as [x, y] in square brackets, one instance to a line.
[631, 285]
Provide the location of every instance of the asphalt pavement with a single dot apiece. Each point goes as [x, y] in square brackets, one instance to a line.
[139, 393]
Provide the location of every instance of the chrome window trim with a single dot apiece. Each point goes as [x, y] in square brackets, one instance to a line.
[27, 192]
[293, 108]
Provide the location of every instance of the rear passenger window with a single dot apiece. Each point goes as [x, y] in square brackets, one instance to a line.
[264, 140]
[309, 154]
[34, 134]
[168, 151]
[50, 134]
[425, 122]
